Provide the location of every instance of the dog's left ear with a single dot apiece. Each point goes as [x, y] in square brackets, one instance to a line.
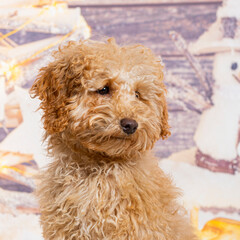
[165, 132]
[162, 103]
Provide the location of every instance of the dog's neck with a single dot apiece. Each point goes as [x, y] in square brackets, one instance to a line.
[60, 149]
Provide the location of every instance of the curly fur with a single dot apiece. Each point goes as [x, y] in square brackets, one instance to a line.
[103, 183]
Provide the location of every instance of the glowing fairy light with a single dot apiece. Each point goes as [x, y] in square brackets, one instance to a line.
[3, 94]
[5, 69]
[215, 229]
[3, 168]
[10, 70]
[220, 229]
[57, 8]
[3, 97]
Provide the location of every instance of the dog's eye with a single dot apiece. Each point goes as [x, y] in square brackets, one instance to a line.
[137, 94]
[234, 66]
[103, 91]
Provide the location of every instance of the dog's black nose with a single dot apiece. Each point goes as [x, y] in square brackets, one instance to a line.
[128, 125]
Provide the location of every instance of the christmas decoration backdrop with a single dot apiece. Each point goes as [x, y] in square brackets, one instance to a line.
[199, 42]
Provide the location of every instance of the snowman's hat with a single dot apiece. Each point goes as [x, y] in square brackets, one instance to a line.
[224, 34]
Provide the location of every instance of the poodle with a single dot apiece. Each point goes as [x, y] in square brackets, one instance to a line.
[104, 107]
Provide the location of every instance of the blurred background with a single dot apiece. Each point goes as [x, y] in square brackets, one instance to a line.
[199, 42]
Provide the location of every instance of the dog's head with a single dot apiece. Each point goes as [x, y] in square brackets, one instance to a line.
[107, 98]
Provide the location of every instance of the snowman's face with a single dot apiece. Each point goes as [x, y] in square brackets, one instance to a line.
[235, 67]
[226, 69]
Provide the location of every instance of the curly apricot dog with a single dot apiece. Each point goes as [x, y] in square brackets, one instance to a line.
[104, 108]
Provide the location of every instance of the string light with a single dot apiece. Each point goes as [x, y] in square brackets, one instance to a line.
[22, 26]
[10, 70]
[53, 9]
[5, 168]
[46, 48]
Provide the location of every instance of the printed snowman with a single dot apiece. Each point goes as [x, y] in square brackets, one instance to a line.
[218, 134]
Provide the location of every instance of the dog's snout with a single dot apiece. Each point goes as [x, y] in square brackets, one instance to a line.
[128, 125]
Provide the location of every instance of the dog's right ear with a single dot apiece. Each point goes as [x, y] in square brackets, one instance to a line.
[58, 82]
[50, 89]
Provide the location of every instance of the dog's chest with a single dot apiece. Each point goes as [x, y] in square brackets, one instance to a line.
[117, 196]
[119, 201]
